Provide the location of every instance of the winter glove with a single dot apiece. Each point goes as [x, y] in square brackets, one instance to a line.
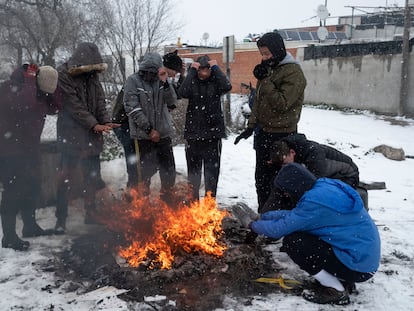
[245, 134]
[260, 71]
[30, 70]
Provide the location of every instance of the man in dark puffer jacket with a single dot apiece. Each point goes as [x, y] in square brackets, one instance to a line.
[321, 160]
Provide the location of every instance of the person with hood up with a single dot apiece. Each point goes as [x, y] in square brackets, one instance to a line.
[173, 65]
[321, 160]
[204, 124]
[328, 233]
[277, 106]
[80, 127]
[147, 100]
[26, 98]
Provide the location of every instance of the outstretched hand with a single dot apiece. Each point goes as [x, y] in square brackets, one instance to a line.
[245, 134]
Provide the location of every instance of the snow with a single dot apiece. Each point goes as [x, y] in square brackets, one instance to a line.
[25, 285]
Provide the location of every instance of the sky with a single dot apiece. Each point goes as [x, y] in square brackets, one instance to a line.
[220, 18]
[23, 281]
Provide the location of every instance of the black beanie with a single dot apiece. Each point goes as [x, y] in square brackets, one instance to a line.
[274, 42]
[173, 61]
[203, 61]
[294, 179]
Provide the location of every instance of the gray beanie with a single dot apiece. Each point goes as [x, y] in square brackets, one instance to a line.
[47, 79]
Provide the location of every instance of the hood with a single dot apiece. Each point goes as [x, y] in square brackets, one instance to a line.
[274, 42]
[85, 59]
[294, 179]
[151, 62]
[289, 59]
[341, 197]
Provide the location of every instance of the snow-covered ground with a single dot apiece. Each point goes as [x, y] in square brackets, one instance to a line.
[24, 285]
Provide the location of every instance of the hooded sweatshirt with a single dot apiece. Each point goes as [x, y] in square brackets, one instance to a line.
[330, 210]
[146, 100]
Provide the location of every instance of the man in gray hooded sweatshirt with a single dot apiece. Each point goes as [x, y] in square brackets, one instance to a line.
[148, 95]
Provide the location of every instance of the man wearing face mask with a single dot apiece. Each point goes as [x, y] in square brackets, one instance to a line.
[147, 100]
[277, 106]
[204, 125]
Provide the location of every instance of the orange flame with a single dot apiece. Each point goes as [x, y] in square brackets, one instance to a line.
[156, 232]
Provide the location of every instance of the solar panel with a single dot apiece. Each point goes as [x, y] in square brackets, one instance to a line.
[293, 35]
[305, 35]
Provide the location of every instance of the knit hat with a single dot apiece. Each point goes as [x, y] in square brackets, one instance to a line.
[274, 42]
[47, 79]
[173, 61]
[203, 61]
[294, 179]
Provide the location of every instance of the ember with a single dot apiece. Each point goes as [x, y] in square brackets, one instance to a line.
[156, 232]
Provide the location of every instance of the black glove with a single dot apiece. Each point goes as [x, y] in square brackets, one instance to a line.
[245, 134]
[260, 71]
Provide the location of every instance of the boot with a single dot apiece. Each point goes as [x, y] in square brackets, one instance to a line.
[10, 238]
[60, 226]
[34, 230]
[15, 243]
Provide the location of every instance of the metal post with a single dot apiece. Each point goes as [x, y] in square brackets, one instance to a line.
[405, 61]
[227, 101]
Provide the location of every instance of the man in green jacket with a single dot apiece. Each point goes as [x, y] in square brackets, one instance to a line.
[277, 106]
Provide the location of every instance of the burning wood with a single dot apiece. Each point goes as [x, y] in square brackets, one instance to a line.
[156, 232]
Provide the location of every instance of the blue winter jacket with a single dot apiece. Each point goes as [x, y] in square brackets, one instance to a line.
[333, 211]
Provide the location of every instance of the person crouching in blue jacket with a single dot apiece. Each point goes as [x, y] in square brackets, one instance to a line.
[329, 234]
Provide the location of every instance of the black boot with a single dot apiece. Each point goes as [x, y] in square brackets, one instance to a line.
[15, 243]
[10, 238]
[30, 226]
[34, 230]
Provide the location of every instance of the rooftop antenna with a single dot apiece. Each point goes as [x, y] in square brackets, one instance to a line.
[205, 38]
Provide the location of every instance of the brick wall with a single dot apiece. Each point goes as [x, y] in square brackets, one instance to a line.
[241, 70]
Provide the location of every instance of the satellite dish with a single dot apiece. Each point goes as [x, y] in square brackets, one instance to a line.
[322, 33]
[205, 36]
[322, 12]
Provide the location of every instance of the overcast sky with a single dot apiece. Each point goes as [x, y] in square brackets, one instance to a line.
[219, 18]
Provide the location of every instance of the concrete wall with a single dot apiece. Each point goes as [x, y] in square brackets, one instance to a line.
[370, 82]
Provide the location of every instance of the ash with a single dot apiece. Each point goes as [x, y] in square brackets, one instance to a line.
[196, 281]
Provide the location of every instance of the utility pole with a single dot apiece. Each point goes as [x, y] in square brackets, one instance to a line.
[405, 61]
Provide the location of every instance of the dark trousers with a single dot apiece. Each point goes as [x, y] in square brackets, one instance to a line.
[208, 153]
[157, 157]
[91, 172]
[312, 255]
[20, 176]
[122, 133]
[265, 172]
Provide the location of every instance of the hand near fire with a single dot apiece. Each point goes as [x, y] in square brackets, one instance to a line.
[244, 214]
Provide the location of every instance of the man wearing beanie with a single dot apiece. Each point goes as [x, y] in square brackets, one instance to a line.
[26, 100]
[204, 123]
[277, 107]
[80, 127]
[173, 65]
[328, 233]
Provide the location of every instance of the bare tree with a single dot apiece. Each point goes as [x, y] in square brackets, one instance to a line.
[138, 26]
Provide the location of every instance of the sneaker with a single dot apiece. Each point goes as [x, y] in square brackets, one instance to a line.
[326, 295]
[15, 243]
